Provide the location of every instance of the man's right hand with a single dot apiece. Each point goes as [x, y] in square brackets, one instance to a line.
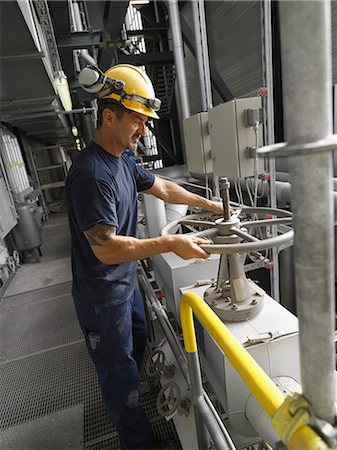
[187, 247]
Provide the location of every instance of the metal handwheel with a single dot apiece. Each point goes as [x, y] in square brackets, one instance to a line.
[155, 363]
[169, 399]
[232, 297]
[231, 236]
[11, 263]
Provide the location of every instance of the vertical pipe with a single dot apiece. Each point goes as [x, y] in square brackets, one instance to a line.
[77, 17]
[198, 50]
[268, 70]
[306, 75]
[179, 57]
[197, 394]
[207, 77]
[204, 44]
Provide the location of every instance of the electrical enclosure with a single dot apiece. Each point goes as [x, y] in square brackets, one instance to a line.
[198, 144]
[230, 138]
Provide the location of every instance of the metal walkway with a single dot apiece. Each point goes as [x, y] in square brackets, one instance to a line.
[50, 398]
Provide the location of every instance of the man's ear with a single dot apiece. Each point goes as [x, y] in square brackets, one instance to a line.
[109, 117]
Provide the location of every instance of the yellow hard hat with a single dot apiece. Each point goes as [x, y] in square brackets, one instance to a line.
[137, 94]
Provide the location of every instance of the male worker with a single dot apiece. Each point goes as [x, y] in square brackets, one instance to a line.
[102, 191]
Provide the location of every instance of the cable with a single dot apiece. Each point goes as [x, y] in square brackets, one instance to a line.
[249, 192]
[237, 191]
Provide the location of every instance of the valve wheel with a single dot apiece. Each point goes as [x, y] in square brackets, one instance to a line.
[11, 263]
[169, 399]
[228, 234]
[155, 364]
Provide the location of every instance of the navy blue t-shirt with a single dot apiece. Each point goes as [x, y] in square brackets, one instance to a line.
[102, 188]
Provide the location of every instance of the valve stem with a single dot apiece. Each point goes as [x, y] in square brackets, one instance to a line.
[224, 192]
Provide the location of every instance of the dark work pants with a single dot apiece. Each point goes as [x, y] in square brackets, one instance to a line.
[116, 338]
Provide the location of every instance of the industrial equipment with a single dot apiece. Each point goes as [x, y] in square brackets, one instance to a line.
[233, 135]
[268, 332]
[27, 233]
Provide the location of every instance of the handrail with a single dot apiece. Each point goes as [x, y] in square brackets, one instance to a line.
[262, 387]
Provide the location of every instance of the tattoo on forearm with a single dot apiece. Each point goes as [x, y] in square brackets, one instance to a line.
[100, 232]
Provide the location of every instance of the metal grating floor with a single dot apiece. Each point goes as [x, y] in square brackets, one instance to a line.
[46, 373]
[62, 430]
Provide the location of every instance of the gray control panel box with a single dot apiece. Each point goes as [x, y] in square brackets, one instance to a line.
[230, 137]
[198, 144]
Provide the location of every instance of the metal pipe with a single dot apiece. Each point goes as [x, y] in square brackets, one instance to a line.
[284, 192]
[88, 58]
[179, 353]
[179, 57]
[165, 324]
[268, 71]
[197, 397]
[198, 51]
[220, 442]
[76, 111]
[207, 73]
[306, 74]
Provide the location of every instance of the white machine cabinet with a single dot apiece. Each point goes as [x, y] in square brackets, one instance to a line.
[271, 338]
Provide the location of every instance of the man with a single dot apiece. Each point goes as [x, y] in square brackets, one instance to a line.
[102, 191]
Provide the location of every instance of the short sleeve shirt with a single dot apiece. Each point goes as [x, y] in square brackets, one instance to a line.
[102, 189]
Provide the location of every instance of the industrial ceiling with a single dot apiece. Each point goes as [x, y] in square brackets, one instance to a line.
[29, 100]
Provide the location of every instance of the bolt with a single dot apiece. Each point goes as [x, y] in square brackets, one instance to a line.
[214, 303]
[228, 299]
[218, 291]
[253, 302]
[234, 307]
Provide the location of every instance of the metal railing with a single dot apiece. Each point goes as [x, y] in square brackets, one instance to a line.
[298, 435]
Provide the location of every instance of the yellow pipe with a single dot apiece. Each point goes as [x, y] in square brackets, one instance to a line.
[258, 382]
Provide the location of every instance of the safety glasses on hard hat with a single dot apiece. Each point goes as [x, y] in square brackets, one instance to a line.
[93, 80]
[117, 87]
[151, 103]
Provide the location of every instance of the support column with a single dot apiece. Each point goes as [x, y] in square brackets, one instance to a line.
[306, 75]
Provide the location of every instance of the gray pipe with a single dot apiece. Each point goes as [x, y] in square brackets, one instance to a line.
[180, 356]
[179, 57]
[198, 49]
[166, 325]
[306, 75]
[284, 191]
[204, 420]
[197, 397]
[268, 71]
[204, 44]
